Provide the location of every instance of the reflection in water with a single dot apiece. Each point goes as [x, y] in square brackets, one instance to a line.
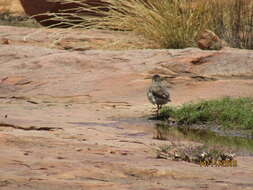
[238, 142]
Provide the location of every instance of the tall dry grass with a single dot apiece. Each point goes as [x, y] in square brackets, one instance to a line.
[170, 23]
[233, 21]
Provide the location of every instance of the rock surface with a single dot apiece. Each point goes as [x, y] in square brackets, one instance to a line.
[11, 6]
[78, 119]
[37, 7]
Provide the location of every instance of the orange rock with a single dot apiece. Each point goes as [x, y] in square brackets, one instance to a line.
[12, 79]
[208, 40]
[5, 41]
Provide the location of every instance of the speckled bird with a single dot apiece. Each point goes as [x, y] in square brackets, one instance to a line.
[158, 93]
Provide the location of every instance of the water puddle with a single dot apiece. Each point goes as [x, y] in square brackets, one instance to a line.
[92, 124]
[231, 139]
[141, 134]
[141, 126]
[236, 140]
[142, 121]
[120, 123]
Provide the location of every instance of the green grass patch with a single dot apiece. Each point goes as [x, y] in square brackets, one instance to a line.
[232, 113]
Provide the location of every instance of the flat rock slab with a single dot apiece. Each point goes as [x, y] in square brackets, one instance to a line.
[78, 119]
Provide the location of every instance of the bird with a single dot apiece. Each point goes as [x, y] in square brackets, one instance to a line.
[158, 93]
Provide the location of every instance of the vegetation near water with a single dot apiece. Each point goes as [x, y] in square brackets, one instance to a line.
[233, 113]
[228, 114]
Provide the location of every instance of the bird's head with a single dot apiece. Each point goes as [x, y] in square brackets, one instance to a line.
[156, 78]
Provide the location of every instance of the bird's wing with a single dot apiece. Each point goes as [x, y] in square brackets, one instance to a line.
[160, 92]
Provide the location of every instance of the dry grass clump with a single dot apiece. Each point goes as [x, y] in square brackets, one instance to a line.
[203, 155]
[171, 23]
[233, 21]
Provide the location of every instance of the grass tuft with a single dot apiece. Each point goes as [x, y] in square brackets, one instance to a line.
[233, 113]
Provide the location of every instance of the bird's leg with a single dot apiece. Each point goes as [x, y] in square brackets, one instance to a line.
[161, 107]
[157, 111]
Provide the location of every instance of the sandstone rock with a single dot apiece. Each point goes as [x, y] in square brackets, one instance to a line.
[86, 152]
[37, 7]
[208, 40]
[11, 6]
[4, 41]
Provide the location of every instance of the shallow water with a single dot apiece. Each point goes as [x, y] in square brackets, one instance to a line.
[210, 135]
[240, 143]
[119, 122]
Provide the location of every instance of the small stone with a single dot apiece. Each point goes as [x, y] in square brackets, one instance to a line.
[124, 153]
[81, 48]
[208, 40]
[42, 168]
[67, 47]
[5, 41]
